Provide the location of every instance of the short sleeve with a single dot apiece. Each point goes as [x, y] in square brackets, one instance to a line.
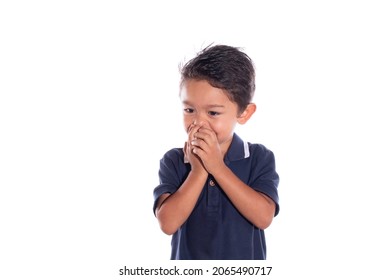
[170, 174]
[264, 177]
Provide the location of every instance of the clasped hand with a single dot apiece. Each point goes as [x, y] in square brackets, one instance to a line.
[202, 149]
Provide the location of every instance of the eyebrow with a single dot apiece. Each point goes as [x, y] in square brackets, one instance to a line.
[207, 106]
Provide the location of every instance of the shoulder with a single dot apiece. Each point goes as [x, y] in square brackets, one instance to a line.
[173, 169]
[260, 156]
[174, 157]
[257, 150]
[174, 154]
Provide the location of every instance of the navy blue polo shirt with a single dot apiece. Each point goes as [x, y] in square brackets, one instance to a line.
[215, 229]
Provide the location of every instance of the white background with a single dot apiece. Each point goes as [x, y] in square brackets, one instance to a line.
[89, 104]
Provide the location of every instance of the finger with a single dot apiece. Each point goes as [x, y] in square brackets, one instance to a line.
[199, 152]
[190, 127]
[194, 130]
[185, 150]
[206, 130]
[201, 145]
[204, 124]
[206, 135]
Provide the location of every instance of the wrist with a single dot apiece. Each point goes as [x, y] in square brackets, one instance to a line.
[219, 170]
[199, 172]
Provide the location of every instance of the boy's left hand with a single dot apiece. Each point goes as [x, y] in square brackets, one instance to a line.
[206, 146]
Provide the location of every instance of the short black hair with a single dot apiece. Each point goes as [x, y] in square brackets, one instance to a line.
[224, 67]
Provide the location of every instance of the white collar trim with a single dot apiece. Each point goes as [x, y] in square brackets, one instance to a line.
[246, 150]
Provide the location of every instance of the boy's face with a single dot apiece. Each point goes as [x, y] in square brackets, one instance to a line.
[209, 107]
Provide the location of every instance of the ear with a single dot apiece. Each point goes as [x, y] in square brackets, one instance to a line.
[246, 115]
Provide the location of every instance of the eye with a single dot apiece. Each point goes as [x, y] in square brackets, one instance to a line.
[188, 110]
[214, 114]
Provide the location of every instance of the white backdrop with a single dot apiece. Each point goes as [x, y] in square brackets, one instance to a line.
[89, 104]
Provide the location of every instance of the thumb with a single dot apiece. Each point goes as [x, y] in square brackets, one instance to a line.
[185, 153]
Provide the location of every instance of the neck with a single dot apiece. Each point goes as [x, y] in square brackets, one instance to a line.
[225, 146]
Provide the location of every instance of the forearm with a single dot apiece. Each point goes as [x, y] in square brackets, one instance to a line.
[254, 206]
[177, 207]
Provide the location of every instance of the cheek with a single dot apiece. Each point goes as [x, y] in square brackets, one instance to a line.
[217, 125]
[222, 127]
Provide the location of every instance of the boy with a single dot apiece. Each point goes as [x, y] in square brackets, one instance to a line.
[217, 194]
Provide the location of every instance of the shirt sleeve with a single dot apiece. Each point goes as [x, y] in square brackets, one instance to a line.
[264, 177]
[169, 174]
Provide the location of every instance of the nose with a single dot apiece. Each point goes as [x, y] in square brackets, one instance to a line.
[198, 118]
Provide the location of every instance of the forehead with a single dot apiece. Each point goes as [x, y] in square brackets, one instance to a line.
[201, 92]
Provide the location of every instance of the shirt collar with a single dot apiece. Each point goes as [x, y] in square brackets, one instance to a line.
[238, 149]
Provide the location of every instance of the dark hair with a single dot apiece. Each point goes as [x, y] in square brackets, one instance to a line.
[224, 67]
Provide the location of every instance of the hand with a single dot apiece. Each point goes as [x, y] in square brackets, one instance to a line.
[206, 147]
[193, 159]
